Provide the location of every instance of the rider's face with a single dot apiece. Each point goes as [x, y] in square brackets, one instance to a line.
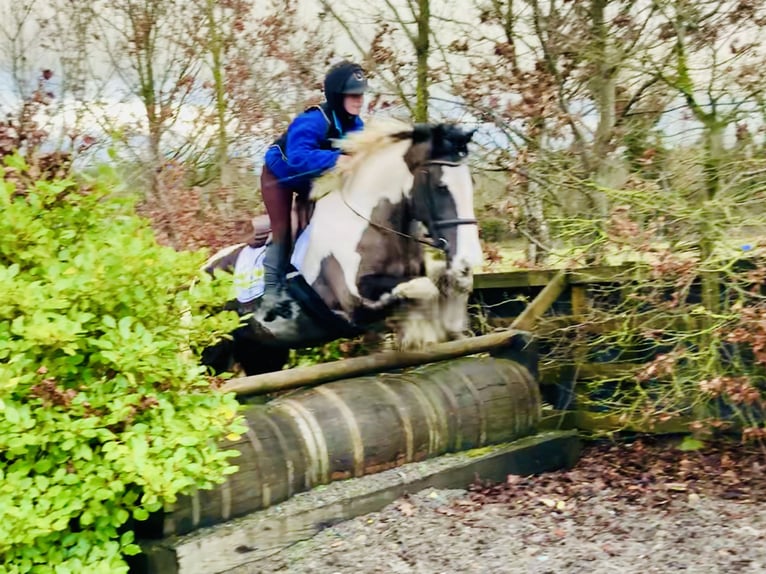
[353, 103]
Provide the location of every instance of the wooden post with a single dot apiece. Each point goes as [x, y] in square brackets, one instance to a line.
[357, 366]
[579, 351]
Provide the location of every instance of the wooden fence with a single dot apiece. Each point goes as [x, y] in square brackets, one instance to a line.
[500, 298]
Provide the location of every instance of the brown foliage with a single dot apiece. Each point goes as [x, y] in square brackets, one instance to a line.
[187, 218]
[647, 472]
[21, 133]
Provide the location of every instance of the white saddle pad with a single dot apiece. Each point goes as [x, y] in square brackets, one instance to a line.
[249, 283]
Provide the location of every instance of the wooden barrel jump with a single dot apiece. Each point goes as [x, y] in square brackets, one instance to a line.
[363, 425]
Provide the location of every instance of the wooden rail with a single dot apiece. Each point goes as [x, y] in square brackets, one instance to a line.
[542, 277]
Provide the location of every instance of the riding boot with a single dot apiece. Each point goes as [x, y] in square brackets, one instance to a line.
[275, 264]
[278, 201]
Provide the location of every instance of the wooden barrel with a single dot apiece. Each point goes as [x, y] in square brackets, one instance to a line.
[364, 425]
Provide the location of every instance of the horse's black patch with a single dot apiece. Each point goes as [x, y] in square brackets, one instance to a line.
[449, 142]
[387, 258]
[282, 309]
[331, 286]
[433, 202]
[445, 141]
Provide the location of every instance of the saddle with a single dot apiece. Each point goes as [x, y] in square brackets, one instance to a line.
[261, 231]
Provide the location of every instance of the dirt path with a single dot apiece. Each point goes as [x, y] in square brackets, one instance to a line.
[639, 508]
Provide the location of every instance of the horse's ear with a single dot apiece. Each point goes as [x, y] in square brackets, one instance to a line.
[459, 136]
[461, 141]
[451, 140]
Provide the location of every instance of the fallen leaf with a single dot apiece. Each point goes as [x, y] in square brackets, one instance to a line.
[694, 498]
[406, 508]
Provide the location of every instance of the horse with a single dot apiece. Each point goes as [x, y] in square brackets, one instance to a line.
[361, 261]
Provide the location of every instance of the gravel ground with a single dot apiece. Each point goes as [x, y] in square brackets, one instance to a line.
[638, 508]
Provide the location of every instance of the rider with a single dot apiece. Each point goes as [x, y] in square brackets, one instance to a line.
[301, 155]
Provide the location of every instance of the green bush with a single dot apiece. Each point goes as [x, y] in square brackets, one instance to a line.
[105, 413]
[493, 229]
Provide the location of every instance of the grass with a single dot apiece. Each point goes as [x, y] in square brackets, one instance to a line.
[511, 254]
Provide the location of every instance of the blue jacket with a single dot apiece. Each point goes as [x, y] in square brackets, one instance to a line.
[306, 152]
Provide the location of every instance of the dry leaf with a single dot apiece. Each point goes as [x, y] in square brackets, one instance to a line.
[406, 508]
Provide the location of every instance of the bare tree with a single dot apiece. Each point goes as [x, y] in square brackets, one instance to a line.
[19, 46]
[145, 41]
[717, 70]
[554, 76]
[395, 41]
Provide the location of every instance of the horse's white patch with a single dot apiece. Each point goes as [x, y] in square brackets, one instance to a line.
[419, 326]
[458, 180]
[453, 313]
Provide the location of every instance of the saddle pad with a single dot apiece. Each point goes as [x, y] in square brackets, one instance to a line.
[248, 273]
[249, 282]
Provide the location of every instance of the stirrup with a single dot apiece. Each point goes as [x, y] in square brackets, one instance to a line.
[276, 303]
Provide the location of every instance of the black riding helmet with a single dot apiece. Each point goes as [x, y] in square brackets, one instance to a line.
[344, 78]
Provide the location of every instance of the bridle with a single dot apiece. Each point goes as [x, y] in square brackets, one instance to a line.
[433, 224]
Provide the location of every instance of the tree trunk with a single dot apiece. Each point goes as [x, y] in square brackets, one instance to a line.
[422, 48]
[216, 47]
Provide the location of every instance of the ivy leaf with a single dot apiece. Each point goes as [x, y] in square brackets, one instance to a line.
[689, 443]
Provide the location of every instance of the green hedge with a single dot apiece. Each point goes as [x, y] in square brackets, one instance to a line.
[105, 413]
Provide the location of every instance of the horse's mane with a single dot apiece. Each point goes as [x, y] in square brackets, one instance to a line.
[377, 134]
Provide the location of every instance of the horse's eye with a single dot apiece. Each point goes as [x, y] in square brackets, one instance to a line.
[442, 188]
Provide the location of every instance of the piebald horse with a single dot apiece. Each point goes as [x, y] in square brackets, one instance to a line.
[362, 258]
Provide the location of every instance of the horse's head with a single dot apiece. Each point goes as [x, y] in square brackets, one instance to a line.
[442, 193]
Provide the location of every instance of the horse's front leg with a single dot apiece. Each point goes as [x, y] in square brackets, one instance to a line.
[417, 289]
[455, 290]
[397, 291]
[418, 324]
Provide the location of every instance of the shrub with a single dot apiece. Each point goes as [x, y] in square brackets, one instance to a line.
[105, 413]
[684, 331]
[494, 229]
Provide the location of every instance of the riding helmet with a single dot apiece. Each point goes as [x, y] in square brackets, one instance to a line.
[344, 78]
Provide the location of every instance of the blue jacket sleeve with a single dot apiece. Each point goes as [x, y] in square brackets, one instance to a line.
[304, 138]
